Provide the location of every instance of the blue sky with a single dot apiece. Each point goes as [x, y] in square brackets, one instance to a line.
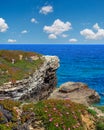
[52, 21]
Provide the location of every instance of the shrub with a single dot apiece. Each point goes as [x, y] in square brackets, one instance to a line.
[100, 126]
[92, 112]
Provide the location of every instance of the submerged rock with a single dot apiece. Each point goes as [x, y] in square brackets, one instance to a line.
[77, 92]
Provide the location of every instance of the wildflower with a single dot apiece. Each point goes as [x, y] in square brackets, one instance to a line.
[46, 111]
[63, 127]
[49, 115]
[7, 125]
[67, 98]
[73, 112]
[67, 113]
[68, 105]
[69, 129]
[61, 115]
[78, 124]
[51, 119]
[74, 127]
[56, 125]
[54, 109]
[75, 117]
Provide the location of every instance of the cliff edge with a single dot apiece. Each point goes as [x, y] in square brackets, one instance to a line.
[37, 86]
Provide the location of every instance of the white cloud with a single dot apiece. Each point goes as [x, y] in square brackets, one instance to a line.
[3, 25]
[52, 36]
[46, 9]
[92, 35]
[33, 20]
[96, 26]
[64, 35]
[58, 27]
[11, 40]
[73, 40]
[24, 32]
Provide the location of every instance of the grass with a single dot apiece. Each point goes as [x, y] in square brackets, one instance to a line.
[22, 67]
[55, 114]
[100, 125]
[60, 114]
[52, 115]
[92, 112]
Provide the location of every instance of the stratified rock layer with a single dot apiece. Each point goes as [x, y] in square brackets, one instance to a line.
[77, 92]
[37, 86]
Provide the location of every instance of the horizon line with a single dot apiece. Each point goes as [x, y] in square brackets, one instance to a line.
[51, 44]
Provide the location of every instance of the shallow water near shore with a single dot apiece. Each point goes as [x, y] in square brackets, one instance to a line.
[79, 63]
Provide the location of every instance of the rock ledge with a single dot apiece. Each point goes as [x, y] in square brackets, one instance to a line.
[77, 92]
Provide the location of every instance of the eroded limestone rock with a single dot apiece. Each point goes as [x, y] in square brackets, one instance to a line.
[37, 86]
[77, 92]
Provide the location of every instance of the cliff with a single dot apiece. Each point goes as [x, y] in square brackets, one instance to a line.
[37, 86]
[64, 108]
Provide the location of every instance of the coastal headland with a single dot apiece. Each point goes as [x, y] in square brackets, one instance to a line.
[30, 99]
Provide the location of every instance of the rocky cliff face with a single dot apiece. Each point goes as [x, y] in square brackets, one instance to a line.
[38, 86]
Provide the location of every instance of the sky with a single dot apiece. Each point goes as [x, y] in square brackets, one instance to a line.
[51, 21]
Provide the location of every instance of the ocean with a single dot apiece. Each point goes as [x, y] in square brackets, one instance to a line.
[78, 63]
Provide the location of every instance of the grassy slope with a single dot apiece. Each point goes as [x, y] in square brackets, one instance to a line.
[55, 114]
[21, 68]
[50, 114]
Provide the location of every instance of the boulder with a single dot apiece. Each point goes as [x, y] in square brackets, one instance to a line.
[77, 92]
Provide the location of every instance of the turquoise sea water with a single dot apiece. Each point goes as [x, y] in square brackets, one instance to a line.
[82, 63]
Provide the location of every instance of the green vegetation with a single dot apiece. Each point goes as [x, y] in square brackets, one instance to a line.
[10, 106]
[100, 124]
[55, 114]
[4, 127]
[16, 65]
[50, 114]
[60, 114]
[92, 112]
[101, 108]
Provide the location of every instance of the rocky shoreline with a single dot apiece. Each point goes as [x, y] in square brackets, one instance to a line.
[42, 85]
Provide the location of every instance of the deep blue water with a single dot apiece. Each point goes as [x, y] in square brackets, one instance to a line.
[83, 63]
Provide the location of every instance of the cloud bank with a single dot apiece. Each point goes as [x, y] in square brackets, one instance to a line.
[96, 34]
[58, 27]
[3, 25]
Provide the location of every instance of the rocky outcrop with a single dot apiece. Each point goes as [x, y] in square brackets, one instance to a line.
[88, 121]
[77, 92]
[37, 86]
